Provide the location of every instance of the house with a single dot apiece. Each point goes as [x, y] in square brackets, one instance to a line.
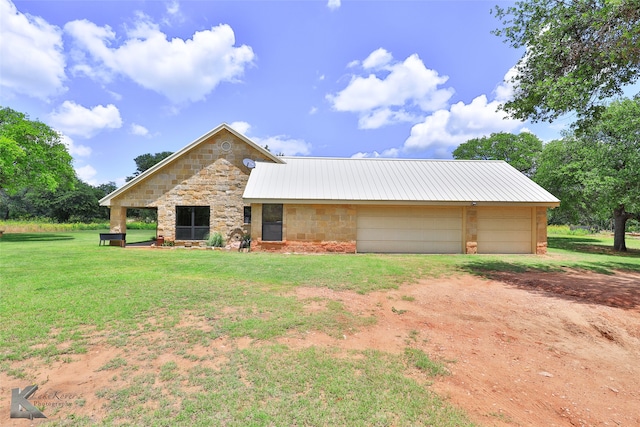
[224, 182]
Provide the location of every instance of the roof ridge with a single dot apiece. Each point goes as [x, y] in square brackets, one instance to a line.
[389, 159]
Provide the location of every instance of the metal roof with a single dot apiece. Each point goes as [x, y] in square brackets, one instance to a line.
[402, 181]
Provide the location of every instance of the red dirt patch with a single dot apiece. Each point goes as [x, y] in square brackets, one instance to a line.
[543, 349]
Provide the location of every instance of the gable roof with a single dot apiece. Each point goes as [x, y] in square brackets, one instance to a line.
[328, 180]
[106, 201]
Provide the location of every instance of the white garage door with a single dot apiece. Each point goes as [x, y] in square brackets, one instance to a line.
[504, 230]
[409, 230]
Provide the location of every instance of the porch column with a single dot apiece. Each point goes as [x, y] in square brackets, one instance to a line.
[541, 230]
[256, 225]
[471, 230]
[118, 219]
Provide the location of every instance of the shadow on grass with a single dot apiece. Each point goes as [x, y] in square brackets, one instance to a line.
[615, 284]
[621, 290]
[34, 237]
[589, 246]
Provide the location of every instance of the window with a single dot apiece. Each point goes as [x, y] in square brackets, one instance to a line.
[271, 222]
[247, 214]
[192, 222]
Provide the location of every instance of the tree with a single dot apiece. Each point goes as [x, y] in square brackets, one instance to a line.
[614, 177]
[77, 204]
[579, 54]
[147, 161]
[598, 167]
[520, 151]
[561, 172]
[31, 155]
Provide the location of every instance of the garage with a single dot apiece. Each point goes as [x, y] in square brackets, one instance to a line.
[504, 230]
[413, 229]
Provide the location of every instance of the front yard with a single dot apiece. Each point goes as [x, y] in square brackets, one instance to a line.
[195, 337]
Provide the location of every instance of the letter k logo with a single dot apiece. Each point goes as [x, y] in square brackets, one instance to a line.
[21, 407]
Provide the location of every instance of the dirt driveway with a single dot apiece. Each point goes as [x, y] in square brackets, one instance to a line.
[525, 349]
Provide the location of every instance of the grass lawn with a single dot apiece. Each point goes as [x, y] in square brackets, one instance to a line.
[60, 292]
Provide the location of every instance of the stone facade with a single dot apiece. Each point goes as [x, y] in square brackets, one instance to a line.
[470, 226]
[541, 230]
[333, 228]
[210, 174]
[309, 228]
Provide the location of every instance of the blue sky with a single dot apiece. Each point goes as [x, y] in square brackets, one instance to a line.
[408, 79]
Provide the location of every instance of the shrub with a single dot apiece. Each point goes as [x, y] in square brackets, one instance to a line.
[215, 240]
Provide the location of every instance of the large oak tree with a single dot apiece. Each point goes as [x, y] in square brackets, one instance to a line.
[596, 170]
[579, 54]
[520, 151]
[31, 155]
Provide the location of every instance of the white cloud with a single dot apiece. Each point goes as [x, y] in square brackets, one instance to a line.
[446, 129]
[353, 64]
[242, 127]
[86, 174]
[398, 92]
[74, 149]
[378, 118]
[333, 4]
[391, 152]
[74, 119]
[181, 70]
[173, 8]
[377, 59]
[139, 130]
[505, 90]
[31, 49]
[277, 144]
[313, 111]
[285, 145]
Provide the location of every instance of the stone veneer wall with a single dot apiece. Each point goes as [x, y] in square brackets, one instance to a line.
[310, 228]
[541, 230]
[205, 176]
[471, 229]
[332, 228]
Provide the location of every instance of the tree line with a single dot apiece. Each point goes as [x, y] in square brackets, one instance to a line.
[37, 180]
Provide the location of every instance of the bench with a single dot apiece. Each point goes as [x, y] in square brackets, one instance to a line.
[104, 237]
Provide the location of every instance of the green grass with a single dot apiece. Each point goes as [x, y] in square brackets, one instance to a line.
[61, 289]
[40, 226]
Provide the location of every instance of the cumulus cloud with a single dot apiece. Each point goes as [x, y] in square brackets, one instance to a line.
[391, 152]
[86, 173]
[441, 131]
[242, 127]
[74, 149]
[181, 70]
[504, 91]
[139, 130]
[282, 144]
[389, 91]
[333, 4]
[74, 119]
[174, 14]
[446, 129]
[377, 59]
[31, 49]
